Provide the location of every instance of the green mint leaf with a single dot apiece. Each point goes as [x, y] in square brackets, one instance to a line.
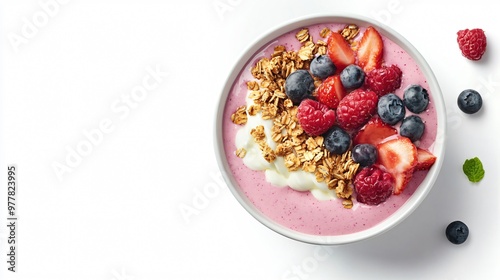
[473, 168]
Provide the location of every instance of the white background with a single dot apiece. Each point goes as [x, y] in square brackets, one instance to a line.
[115, 213]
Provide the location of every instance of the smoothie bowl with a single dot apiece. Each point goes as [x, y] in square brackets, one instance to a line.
[330, 129]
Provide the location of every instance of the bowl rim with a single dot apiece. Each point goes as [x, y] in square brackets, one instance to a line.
[413, 201]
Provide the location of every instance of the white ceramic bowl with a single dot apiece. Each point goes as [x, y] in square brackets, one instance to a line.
[413, 201]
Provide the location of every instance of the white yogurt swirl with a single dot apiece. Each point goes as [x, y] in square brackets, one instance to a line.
[276, 172]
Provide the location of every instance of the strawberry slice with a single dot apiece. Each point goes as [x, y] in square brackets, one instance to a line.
[374, 132]
[425, 159]
[370, 50]
[331, 91]
[339, 51]
[399, 157]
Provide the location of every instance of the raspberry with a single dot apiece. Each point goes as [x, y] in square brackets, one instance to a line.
[373, 185]
[472, 43]
[384, 80]
[315, 118]
[356, 108]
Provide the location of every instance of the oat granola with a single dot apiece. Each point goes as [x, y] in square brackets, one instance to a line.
[299, 150]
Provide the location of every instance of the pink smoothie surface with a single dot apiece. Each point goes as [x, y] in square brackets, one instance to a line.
[301, 211]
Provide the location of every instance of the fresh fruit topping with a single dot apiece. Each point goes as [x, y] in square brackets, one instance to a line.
[391, 109]
[374, 132]
[425, 159]
[364, 154]
[315, 118]
[457, 232]
[416, 99]
[299, 85]
[373, 185]
[370, 50]
[469, 101]
[384, 80]
[473, 169]
[339, 51]
[412, 127]
[322, 66]
[337, 141]
[399, 157]
[472, 43]
[331, 91]
[356, 108]
[352, 77]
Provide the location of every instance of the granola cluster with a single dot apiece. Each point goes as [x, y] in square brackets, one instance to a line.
[299, 150]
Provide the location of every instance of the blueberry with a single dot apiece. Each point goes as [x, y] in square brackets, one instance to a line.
[322, 66]
[416, 99]
[390, 108]
[412, 127]
[457, 232]
[352, 77]
[469, 101]
[364, 154]
[337, 140]
[299, 85]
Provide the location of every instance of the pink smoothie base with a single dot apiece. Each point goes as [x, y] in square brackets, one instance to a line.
[301, 211]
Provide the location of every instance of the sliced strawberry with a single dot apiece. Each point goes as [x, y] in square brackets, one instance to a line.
[374, 132]
[331, 91]
[401, 180]
[339, 51]
[370, 50]
[425, 159]
[399, 157]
